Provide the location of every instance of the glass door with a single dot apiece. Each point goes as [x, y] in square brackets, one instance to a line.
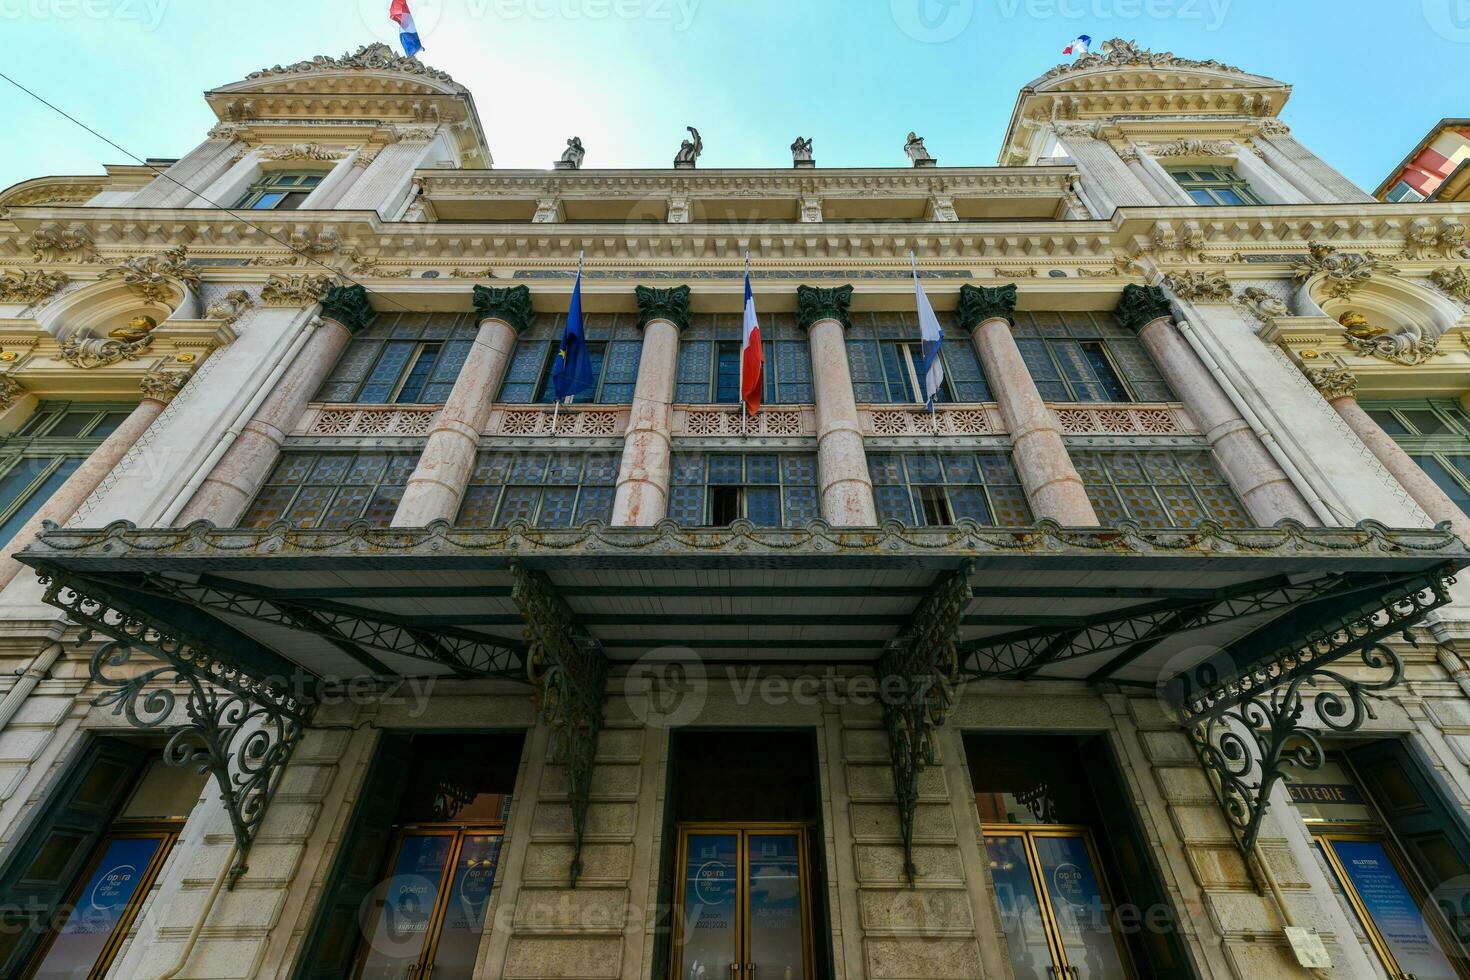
[429, 915]
[742, 903]
[1055, 907]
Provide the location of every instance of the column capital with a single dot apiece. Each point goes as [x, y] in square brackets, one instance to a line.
[814, 304]
[1334, 382]
[1142, 305]
[512, 304]
[349, 306]
[163, 385]
[980, 303]
[663, 304]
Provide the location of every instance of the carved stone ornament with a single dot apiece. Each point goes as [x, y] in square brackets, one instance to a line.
[230, 309]
[1454, 283]
[1262, 304]
[371, 57]
[152, 277]
[917, 152]
[50, 243]
[1425, 240]
[802, 154]
[572, 156]
[10, 390]
[663, 304]
[1345, 272]
[95, 352]
[301, 151]
[941, 208]
[814, 304]
[688, 156]
[228, 132]
[1142, 305]
[349, 306]
[30, 287]
[1274, 127]
[511, 304]
[1195, 148]
[548, 211]
[1118, 53]
[1199, 287]
[295, 290]
[978, 304]
[679, 209]
[163, 385]
[1407, 345]
[1334, 382]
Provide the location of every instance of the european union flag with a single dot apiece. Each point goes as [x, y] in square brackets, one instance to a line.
[572, 372]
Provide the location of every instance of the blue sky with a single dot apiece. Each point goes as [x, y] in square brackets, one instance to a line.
[1370, 76]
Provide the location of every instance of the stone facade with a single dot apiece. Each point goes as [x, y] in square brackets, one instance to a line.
[1242, 310]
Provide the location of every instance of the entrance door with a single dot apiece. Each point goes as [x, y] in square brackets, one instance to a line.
[1054, 904]
[431, 913]
[743, 907]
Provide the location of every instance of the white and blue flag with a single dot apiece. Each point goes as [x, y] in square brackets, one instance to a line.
[931, 336]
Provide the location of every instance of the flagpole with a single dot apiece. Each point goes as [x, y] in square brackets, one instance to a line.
[744, 405]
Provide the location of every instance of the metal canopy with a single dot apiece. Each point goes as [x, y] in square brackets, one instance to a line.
[1238, 628]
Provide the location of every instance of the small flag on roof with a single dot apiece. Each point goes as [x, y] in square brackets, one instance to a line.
[1082, 45]
[408, 33]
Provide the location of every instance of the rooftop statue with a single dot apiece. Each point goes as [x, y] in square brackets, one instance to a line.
[917, 152]
[571, 159]
[689, 151]
[801, 152]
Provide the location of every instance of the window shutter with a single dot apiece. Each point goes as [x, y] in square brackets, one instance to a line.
[67, 826]
[1429, 824]
[333, 941]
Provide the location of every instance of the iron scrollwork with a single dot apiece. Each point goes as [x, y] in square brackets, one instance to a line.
[569, 672]
[918, 672]
[234, 734]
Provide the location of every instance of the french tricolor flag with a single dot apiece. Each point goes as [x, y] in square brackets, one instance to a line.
[407, 32]
[1082, 45]
[752, 355]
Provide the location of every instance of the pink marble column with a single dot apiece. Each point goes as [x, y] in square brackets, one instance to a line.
[1260, 483]
[158, 391]
[227, 491]
[1340, 389]
[1053, 487]
[437, 486]
[842, 463]
[642, 498]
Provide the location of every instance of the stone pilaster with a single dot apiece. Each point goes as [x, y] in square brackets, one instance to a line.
[227, 491]
[386, 182]
[1340, 389]
[1107, 178]
[1053, 487]
[436, 488]
[176, 187]
[1276, 136]
[642, 498]
[1254, 474]
[842, 464]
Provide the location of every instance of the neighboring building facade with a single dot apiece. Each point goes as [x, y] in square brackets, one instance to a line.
[466, 684]
[1437, 170]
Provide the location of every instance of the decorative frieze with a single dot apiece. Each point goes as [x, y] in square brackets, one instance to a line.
[372, 420]
[30, 286]
[1194, 148]
[814, 304]
[295, 290]
[663, 304]
[705, 421]
[289, 152]
[1345, 272]
[511, 304]
[1121, 420]
[1199, 287]
[943, 421]
[153, 277]
[49, 243]
[572, 421]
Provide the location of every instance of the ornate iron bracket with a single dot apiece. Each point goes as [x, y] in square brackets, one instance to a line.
[569, 671]
[1248, 728]
[917, 675]
[242, 725]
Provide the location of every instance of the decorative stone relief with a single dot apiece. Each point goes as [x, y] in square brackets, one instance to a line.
[1195, 148]
[30, 287]
[327, 241]
[1454, 283]
[811, 210]
[1346, 272]
[349, 306]
[230, 309]
[1447, 240]
[1407, 345]
[152, 277]
[370, 57]
[1200, 287]
[123, 344]
[1334, 382]
[10, 390]
[225, 131]
[679, 209]
[302, 151]
[1274, 127]
[163, 385]
[548, 211]
[50, 244]
[1118, 53]
[295, 290]
[941, 208]
[1262, 305]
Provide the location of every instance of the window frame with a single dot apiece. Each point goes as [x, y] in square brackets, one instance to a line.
[1088, 469]
[1441, 447]
[602, 331]
[455, 338]
[1032, 333]
[724, 332]
[1212, 179]
[1407, 194]
[504, 486]
[914, 488]
[868, 329]
[679, 485]
[269, 183]
[380, 490]
[33, 441]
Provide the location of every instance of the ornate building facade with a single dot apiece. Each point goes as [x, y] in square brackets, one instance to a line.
[333, 648]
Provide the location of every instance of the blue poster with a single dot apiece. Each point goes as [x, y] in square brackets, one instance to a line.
[101, 906]
[1393, 909]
